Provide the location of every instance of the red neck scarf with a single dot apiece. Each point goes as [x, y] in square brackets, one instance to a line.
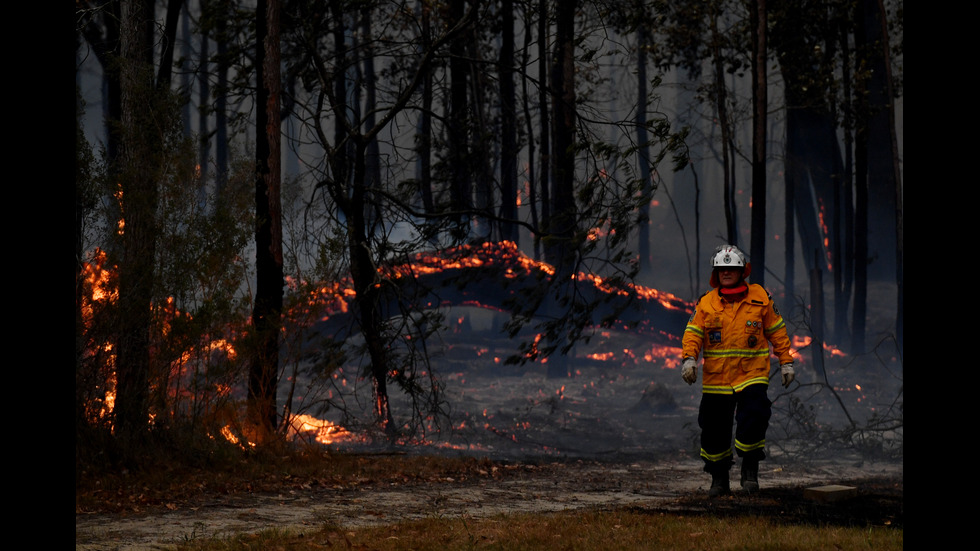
[734, 292]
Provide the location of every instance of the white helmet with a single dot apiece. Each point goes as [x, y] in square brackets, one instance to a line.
[728, 256]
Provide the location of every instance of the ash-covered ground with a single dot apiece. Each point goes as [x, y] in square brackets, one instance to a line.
[623, 399]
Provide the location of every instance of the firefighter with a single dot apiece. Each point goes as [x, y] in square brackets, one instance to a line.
[731, 329]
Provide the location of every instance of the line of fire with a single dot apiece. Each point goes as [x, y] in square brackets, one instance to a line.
[630, 357]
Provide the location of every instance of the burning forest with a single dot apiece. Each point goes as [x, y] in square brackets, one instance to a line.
[484, 386]
[326, 253]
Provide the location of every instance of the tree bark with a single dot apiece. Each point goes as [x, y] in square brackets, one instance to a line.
[372, 172]
[760, 101]
[532, 179]
[721, 104]
[643, 158]
[204, 98]
[267, 310]
[139, 202]
[544, 182]
[859, 313]
[461, 191]
[882, 150]
[843, 213]
[508, 127]
[884, 163]
[424, 143]
[561, 225]
[221, 12]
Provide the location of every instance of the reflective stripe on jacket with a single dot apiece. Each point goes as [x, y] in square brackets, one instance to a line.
[734, 339]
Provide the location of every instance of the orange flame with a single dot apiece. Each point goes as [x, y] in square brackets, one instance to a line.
[321, 431]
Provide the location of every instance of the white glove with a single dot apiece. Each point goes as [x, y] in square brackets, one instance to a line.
[689, 371]
[788, 374]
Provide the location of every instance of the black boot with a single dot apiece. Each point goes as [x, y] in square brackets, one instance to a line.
[750, 476]
[719, 484]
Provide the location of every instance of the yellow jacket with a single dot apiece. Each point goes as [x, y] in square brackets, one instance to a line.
[734, 339]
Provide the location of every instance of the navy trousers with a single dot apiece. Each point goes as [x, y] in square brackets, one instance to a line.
[750, 411]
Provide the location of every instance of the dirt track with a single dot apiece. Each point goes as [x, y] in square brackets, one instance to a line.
[502, 488]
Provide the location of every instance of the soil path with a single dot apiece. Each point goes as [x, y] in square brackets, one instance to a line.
[502, 488]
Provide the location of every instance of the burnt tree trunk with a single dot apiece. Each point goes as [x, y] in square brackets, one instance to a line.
[532, 180]
[508, 127]
[724, 121]
[544, 182]
[885, 214]
[817, 317]
[859, 312]
[872, 45]
[460, 180]
[267, 310]
[364, 275]
[842, 218]
[643, 158]
[222, 11]
[372, 173]
[138, 146]
[760, 101]
[424, 140]
[561, 225]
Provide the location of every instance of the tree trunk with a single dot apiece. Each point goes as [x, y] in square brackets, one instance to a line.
[884, 176]
[882, 164]
[221, 154]
[817, 317]
[561, 226]
[859, 313]
[789, 227]
[203, 98]
[424, 144]
[843, 212]
[760, 101]
[508, 127]
[481, 140]
[544, 182]
[861, 198]
[139, 201]
[460, 183]
[532, 180]
[340, 160]
[364, 275]
[373, 154]
[169, 39]
[643, 158]
[721, 104]
[267, 310]
[186, 72]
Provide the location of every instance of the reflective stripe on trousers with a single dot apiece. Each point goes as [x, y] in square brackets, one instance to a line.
[750, 410]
